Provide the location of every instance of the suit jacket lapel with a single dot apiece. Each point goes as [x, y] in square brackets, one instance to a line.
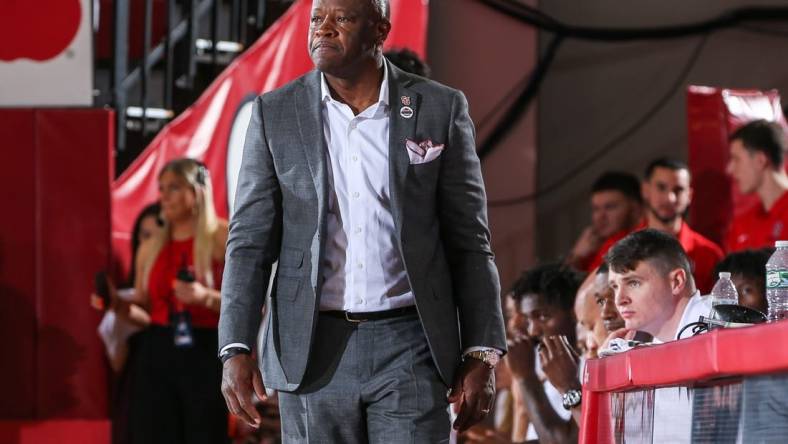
[400, 129]
[310, 126]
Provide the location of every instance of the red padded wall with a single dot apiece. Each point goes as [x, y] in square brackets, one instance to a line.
[17, 265]
[55, 186]
[55, 432]
[74, 175]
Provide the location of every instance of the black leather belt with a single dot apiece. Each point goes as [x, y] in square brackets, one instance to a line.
[370, 315]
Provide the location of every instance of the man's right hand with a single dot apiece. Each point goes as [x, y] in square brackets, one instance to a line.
[623, 333]
[560, 363]
[240, 379]
[521, 357]
[586, 245]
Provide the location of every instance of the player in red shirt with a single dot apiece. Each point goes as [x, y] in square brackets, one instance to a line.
[616, 208]
[667, 195]
[756, 164]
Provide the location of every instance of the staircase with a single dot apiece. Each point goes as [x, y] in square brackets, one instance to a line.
[155, 57]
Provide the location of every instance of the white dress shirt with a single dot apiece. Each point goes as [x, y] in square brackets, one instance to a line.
[697, 306]
[363, 269]
[672, 409]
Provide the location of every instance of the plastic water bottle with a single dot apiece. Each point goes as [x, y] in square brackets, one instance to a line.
[724, 292]
[777, 282]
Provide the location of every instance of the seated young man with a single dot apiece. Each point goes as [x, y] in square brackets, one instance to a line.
[748, 273]
[588, 320]
[667, 193]
[757, 152]
[616, 209]
[655, 293]
[547, 380]
[606, 301]
[653, 285]
[596, 312]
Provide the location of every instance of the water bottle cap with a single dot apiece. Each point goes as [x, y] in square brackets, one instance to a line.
[781, 244]
[725, 275]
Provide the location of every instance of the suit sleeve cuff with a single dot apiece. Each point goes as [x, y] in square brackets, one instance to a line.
[233, 345]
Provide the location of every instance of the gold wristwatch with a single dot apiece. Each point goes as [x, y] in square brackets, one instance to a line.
[489, 357]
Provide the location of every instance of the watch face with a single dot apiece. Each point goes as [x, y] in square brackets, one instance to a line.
[492, 359]
[571, 399]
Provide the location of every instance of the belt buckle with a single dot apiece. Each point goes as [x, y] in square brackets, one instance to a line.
[357, 321]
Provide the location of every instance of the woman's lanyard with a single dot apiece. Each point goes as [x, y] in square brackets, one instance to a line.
[180, 318]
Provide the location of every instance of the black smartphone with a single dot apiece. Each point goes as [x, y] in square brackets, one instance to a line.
[102, 287]
[184, 274]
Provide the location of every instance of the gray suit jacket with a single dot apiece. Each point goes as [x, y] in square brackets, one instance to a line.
[439, 211]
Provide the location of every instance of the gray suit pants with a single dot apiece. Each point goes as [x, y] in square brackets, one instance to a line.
[370, 382]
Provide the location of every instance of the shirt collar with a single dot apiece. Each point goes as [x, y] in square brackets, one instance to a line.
[383, 97]
[691, 311]
[686, 316]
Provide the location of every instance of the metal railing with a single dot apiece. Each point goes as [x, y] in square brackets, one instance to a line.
[177, 54]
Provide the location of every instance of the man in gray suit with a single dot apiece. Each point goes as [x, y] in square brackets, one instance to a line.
[363, 182]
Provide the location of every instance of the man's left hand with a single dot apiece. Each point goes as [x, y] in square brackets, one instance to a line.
[559, 363]
[474, 391]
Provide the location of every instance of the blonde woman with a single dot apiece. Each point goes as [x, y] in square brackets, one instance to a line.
[178, 273]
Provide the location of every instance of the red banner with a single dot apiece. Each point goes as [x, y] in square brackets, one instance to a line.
[204, 131]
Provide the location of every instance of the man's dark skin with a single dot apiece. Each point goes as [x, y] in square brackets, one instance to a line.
[551, 328]
[751, 291]
[345, 43]
[605, 299]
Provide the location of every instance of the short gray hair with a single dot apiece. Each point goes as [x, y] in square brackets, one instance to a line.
[382, 8]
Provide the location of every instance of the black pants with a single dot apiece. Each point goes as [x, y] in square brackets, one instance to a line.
[177, 397]
[123, 393]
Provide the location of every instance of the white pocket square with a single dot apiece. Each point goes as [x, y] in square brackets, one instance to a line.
[422, 152]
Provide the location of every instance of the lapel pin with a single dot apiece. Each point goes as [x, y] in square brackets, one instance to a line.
[406, 112]
[405, 100]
